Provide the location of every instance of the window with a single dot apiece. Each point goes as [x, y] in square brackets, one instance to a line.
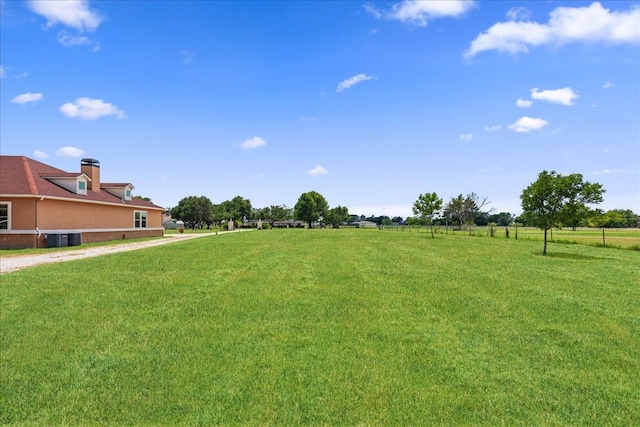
[5, 216]
[127, 194]
[140, 219]
[82, 187]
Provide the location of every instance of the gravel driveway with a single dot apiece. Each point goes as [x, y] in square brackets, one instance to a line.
[13, 263]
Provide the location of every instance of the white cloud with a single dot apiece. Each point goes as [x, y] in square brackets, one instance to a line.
[251, 143]
[608, 85]
[495, 128]
[70, 40]
[69, 152]
[71, 13]
[590, 24]
[492, 169]
[466, 137]
[26, 98]
[2, 73]
[607, 172]
[419, 12]
[91, 109]
[187, 56]
[523, 103]
[518, 13]
[564, 96]
[527, 124]
[40, 154]
[346, 84]
[318, 170]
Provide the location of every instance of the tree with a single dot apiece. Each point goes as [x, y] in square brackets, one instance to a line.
[492, 228]
[465, 209]
[195, 210]
[219, 214]
[502, 219]
[310, 208]
[426, 206]
[281, 213]
[261, 213]
[611, 219]
[272, 213]
[621, 218]
[338, 215]
[483, 219]
[379, 220]
[555, 198]
[574, 211]
[237, 208]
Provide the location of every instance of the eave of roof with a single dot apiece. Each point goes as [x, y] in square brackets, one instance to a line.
[22, 176]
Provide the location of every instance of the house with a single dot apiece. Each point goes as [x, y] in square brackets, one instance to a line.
[42, 206]
[365, 224]
[289, 223]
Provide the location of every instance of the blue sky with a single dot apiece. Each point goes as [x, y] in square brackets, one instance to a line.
[368, 103]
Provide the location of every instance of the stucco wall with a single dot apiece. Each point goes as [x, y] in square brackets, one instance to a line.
[22, 213]
[63, 216]
[59, 214]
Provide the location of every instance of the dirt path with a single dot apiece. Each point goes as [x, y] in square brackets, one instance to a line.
[14, 263]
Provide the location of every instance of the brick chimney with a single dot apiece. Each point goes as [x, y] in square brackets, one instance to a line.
[91, 168]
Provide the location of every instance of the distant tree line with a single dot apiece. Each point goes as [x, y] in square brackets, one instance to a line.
[552, 201]
[200, 211]
[312, 207]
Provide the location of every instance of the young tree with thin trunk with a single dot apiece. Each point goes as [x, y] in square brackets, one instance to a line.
[426, 206]
[555, 199]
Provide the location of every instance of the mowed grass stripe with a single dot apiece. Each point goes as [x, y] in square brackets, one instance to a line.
[326, 327]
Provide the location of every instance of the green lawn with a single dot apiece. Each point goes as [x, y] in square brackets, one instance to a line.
[334, 327]
[624, 238]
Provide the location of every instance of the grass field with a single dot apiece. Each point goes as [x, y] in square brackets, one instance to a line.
[334, 327]
[624, 238]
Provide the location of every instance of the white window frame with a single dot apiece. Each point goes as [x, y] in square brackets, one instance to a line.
[79, 190]
[143, 221]
[8, 215]
[127, 194]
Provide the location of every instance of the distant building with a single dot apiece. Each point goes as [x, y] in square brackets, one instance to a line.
[289, 223]
[42, 206]
[365, 224]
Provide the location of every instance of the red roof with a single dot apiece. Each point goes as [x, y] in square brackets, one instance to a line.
[20, 175]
